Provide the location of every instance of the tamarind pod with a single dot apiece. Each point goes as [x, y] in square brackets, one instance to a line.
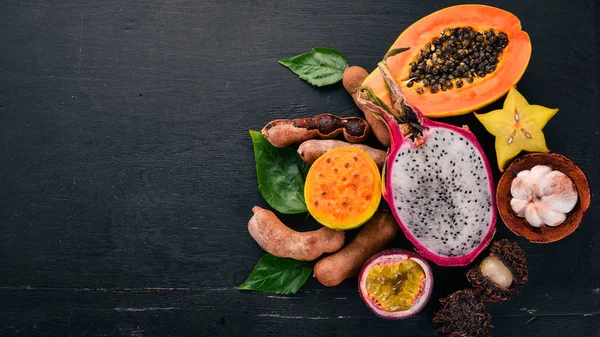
[279, 240]
[284, 132]
[352, 80]
[374, 236]
[312, 149]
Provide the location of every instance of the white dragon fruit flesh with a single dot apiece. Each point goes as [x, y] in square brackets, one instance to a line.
[437, 181]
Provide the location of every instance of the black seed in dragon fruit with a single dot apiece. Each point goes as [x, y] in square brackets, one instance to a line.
[437, 181]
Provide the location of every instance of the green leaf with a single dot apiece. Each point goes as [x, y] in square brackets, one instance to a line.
[278, 276]
[280, 173]
[321, 66]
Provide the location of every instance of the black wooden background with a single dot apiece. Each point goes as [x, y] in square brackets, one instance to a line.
[127, 172]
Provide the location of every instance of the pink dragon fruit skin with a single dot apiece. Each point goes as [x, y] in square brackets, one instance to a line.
[437, 182]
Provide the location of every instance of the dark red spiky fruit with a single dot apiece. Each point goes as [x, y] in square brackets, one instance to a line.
[513, 257]
[463, 314]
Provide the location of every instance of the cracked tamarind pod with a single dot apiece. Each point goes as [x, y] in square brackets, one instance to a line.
[352, 79]
[285, 132]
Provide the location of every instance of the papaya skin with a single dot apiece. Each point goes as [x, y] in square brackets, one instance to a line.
[312, 149]
[279, 240]
[352, 79]
[374, 236]
[484, 90]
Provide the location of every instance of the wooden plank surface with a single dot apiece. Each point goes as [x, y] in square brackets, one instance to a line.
[127, 172]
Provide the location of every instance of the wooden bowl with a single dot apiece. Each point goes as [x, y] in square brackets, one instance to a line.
[520, 226]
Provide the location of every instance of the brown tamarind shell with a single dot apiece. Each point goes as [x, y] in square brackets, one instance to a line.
[284, 132]
[352, 80]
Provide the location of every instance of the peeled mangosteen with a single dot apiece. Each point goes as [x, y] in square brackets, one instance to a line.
[542, 233]
[500, 275]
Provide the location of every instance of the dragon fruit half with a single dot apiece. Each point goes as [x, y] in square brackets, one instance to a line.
[437, 180]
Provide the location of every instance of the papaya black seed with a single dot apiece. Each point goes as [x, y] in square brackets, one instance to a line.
[459, 53]
[420, 90]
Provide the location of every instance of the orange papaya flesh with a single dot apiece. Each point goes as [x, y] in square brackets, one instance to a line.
[512, 61]
[343, 188]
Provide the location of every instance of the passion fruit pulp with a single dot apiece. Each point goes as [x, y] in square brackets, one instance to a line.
[395, 284]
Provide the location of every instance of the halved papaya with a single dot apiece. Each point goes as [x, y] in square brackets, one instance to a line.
[474, 86]
[343, 188]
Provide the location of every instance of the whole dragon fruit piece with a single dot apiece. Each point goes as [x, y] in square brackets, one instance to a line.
[437, 180]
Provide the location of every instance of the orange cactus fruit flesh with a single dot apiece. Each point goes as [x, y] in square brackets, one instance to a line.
[343, 188]
[476, 89]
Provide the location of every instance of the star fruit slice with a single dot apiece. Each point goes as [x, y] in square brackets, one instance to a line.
[517, 127]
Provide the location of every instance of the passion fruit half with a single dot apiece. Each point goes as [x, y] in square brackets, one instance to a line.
[395, 284]
[343, 188]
